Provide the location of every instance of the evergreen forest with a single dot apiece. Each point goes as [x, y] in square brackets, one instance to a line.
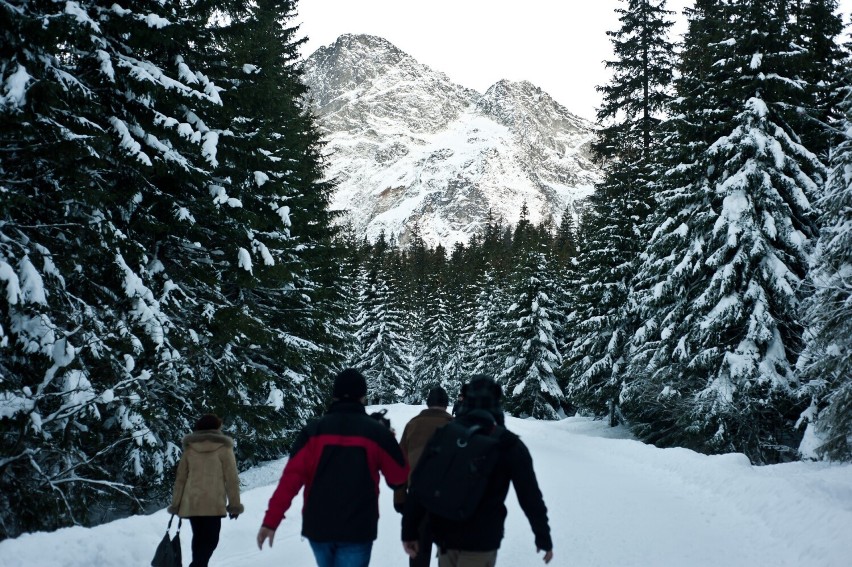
[167, 249]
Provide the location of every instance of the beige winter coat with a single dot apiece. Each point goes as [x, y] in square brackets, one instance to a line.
[206, 483]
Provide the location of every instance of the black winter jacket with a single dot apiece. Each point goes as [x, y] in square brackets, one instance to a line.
[337, 459]
[484, 530]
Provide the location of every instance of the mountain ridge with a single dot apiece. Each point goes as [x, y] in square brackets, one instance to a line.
[408, 145]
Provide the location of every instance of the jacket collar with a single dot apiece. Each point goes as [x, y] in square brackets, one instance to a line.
[483, 418]
[347, 406]
[434, 412]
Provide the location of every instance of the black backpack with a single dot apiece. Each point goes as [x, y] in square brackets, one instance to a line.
[453, 471]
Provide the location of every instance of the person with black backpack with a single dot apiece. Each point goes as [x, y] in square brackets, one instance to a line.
[461, 482]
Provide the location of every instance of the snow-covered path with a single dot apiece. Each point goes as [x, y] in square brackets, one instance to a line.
[611, 500]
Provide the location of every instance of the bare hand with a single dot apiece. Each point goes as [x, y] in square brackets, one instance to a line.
[411, 548]
[548, 555]
[263, 535]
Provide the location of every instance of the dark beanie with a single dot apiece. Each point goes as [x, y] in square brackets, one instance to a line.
[483, 393]
[207, 422]
[349, 384]
[437, 398]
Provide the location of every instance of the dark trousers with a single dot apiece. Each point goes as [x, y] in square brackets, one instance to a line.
[205, 538]
[424, 552]
[456, 558]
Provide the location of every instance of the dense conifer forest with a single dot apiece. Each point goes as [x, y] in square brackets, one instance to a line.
[166, 249]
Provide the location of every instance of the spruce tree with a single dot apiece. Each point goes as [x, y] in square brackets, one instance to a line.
[595, 342]
[151, 279]
[712, 360]
[344, 324]
[273, 334]
[488, 344]
[565, 243]
[642, 72]
[464, 268]
[826, 364]
[532, 358]
[103, 123]
[435, 330]
[817, 26]
[383, 336]
[529, 376]
[633, 105]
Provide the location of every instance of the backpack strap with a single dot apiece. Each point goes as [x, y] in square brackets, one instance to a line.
[506, 438]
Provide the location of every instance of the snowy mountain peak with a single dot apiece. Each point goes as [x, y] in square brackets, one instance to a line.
[408, 145]
[517, 103]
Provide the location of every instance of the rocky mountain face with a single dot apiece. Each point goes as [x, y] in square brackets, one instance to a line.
[407, 145]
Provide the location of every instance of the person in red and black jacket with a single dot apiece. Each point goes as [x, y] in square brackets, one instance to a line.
[337, 458]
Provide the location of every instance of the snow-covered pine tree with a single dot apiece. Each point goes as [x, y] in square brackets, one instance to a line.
[594, 345]
[712, 361]
[817, 26]
[101, 119]
[528, 375]
[487, 343]
[633, 104]
[416, 285]
[826, 364]
[413, 294]
[461, 291]
[344, 325]
[382, 333]
[119, 143]
[434, 332]
[266, 356]
[565, 243]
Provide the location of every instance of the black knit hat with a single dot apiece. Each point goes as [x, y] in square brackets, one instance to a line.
[349, 384]
[437, 398]
[207, 422]
[483, 393]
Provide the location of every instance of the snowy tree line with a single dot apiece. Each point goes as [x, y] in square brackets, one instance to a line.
[164, 247]
[427, 316]
[708, 302]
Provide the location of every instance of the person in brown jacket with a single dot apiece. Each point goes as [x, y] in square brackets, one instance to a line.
[417, 433]
[206, 486]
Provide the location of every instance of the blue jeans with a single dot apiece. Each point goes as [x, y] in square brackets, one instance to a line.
[342, 554]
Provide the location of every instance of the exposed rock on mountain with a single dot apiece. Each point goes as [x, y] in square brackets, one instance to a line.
[407, 145]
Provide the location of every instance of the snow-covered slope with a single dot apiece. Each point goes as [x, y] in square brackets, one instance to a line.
[408, 145]
[611, 501]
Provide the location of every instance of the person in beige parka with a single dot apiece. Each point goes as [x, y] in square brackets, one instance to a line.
[206, 486]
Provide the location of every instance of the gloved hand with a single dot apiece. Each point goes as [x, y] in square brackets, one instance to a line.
[233, 516]
[399, 507]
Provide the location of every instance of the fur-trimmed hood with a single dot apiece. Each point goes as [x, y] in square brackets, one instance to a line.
[206, 441]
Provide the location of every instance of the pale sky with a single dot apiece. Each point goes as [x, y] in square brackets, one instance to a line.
[558, 45]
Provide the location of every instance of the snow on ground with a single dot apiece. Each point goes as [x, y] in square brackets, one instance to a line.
[611, 501]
